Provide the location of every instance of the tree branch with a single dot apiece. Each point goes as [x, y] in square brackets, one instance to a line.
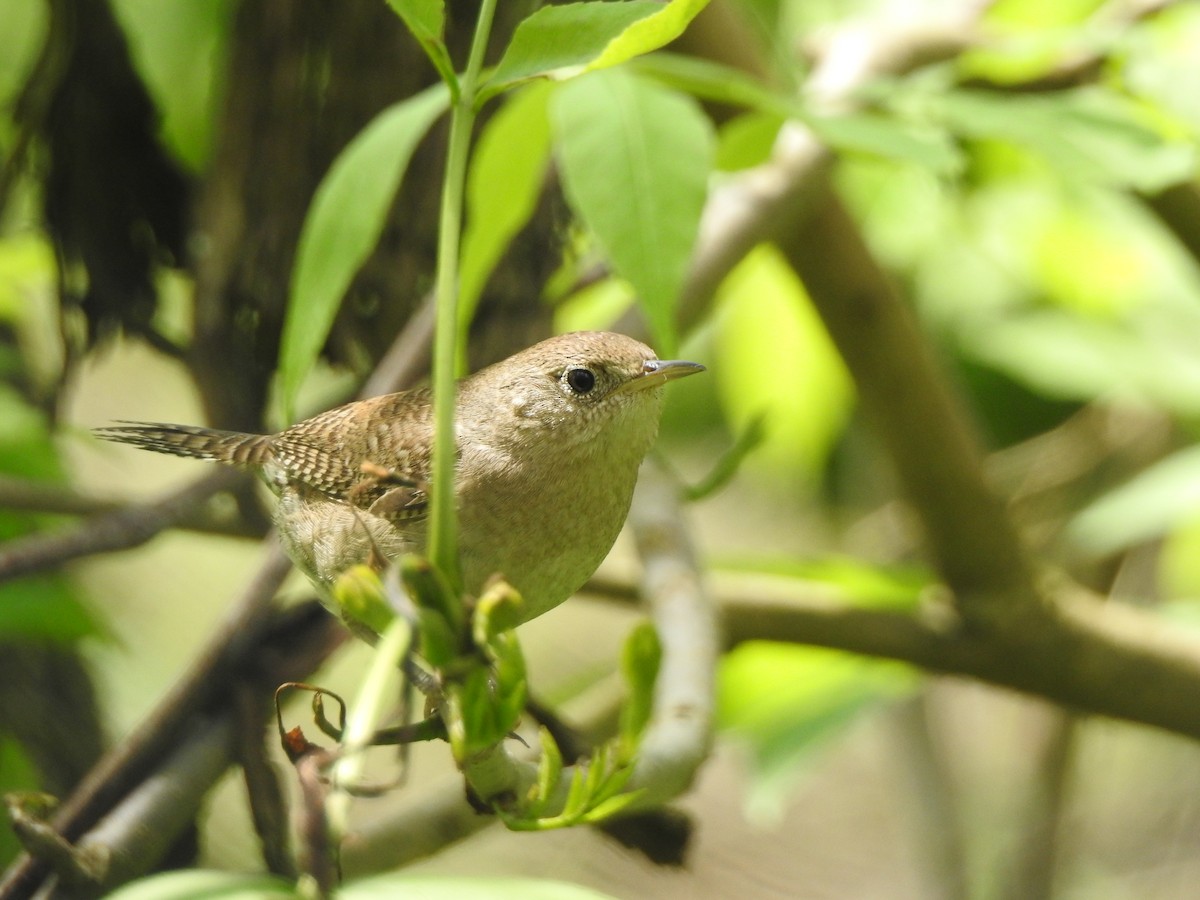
[1098, 657]
[936, 454]
[120, 529]
[57, 499]
[678, 738]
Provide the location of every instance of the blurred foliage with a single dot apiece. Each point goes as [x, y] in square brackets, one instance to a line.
[180, 50]
[1015, 221]
[784, 701]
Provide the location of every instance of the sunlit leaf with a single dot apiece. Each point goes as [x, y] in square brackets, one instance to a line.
[1160, 62]
[569, 39]
[781, 700]
[426, 19]
[888, 137]
[504, 183]
[1179, 563]
[1072, 357]
[1087, 134]
[654, 31]
[1159, 497]
[765, 318]
[718, 83]
[635, 163]
[343, 225]
[595, 307]
[852, 580]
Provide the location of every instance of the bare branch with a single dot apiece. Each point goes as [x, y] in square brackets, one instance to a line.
[1097, 657]
[121, 529]
[57, 499]
[679, 736]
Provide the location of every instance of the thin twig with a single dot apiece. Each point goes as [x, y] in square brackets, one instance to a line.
[121, 529]
[57, 499]
[268, 808]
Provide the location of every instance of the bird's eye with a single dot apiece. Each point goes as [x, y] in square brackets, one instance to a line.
[581, 380]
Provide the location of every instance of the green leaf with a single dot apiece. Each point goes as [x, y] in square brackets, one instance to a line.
[429, 589]
[727, 465]
[426, 19]
[439, 644]
[576, 802]
[851, 580]
[764, 313]
[718, 83]
[511, 683]
[1088, 134]
[43, 607]
[635, 163]
[567, 40]
[654, 31]
[781, 700]
[611, 806]
[505, 181]
[640, 660]
[1150, 504]
[343, 225]
[616, 777]
[550, 769]
[889, 138]
[747, 140]
[358, 594]
[497, 611]
[1145, 358]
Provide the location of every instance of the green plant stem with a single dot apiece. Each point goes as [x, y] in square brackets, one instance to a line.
[374, 695]
[443, 539]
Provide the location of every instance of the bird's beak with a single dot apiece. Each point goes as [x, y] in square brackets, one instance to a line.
[656, 372]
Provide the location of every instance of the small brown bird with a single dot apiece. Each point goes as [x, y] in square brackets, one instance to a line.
[549, 442]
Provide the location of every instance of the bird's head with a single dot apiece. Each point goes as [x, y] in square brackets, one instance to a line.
[586, 387]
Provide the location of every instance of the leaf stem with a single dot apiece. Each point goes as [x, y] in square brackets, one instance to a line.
[443, 539]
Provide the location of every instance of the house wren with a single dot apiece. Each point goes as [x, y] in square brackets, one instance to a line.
[549, 442]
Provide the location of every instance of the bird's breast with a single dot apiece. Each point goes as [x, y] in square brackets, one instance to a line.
[544, 524]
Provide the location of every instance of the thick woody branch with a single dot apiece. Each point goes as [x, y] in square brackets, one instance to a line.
[934, 450]
[1096, 657]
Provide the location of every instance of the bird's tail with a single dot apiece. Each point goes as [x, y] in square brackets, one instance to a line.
[230, 447]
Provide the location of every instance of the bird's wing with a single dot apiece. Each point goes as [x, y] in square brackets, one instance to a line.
[374, 454]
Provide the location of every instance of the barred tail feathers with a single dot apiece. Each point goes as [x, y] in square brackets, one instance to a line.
[229, 447]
